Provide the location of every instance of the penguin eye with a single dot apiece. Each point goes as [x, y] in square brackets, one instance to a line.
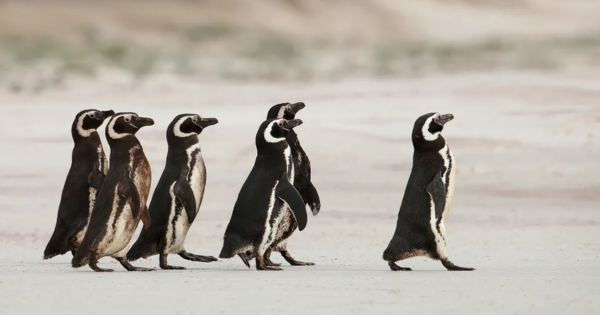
[194, 119]
[436, 119]
[92, 115]
[127, 118]
[280, 123]
[288, 108]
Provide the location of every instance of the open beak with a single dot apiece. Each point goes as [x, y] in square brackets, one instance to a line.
[445, 118]
[205, 122]
[290, 124]
[143, 122]
[296, 107]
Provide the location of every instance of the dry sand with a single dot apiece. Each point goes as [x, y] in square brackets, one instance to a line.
[525, 214]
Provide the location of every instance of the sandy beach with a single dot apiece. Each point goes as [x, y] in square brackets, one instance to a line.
[525, 211]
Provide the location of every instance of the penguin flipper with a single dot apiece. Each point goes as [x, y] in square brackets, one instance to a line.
[437, 191]
[96, 178]
[183, 191]
[289, 194]
[128, 191]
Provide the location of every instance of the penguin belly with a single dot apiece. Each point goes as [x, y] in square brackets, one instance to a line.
[273, 219]
[120, 229]
[177, 227]
[178, 224]
[83, 226]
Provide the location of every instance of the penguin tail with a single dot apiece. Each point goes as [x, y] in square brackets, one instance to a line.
[226, 252]
[57, 245]
[139, 250]
[81, 258]
[244, 259]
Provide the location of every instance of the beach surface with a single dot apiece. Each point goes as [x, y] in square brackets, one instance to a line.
[526, 210]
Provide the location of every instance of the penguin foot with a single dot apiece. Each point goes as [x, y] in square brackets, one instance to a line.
[452, 267]
[268, 268]
[267, 259]
[130, 267]
[194, 257]
[395, 267]
[163, 264]
[260, 264]
[169, 267]
[286, 255]
[94, 265]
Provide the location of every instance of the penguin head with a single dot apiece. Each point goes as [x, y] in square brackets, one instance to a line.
[188, 125]
[122, 125]
[426, 134]
[272, 132]
[87, 121]
[285, 110]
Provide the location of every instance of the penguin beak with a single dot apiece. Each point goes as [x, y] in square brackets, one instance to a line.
[205, 122]
[296, 107]
[445, 118]
[143, 122]
[102, 115]
[290, 124]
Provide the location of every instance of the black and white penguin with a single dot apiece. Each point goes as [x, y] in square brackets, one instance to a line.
[262, 201]
[85, 177]
[121, 202]
[420, 229]
[178, 195]
[302, 183]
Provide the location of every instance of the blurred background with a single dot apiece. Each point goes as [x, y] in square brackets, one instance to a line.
[44, 43]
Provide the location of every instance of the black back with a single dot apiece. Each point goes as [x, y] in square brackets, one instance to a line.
[182, 133]
[413, 229]
[73, 209]
[120, 134]
[247, 223]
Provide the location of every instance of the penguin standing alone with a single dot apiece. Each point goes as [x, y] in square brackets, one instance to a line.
[85, 177]
[262, 201]
[121, 202]
[302, 183]
[178, 194]
[420, 229]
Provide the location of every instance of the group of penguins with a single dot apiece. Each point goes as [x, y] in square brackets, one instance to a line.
[101, 206]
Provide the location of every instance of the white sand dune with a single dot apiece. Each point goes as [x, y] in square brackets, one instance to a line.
[525, 214]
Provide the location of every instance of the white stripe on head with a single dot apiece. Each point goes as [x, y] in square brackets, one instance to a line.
[111, 127]
[426, 134]
[281, 112]
[268, 136]
[177, 128]
[84, 132]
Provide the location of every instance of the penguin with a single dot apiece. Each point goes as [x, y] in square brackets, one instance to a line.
[262, 201]
[178, 195]
[83, 181]
[121, 202]
[302, 183]
[420, 229]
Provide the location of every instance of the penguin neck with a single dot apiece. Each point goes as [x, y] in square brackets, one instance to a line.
[93, 139]
[120, 148]
[422, 145]
[273, 149]
[178, 153]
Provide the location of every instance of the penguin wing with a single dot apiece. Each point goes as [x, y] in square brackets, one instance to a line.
[183, 191]
[96, 178]
[308, 192]
[289, 194]
[127, 190]
[437, 191]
